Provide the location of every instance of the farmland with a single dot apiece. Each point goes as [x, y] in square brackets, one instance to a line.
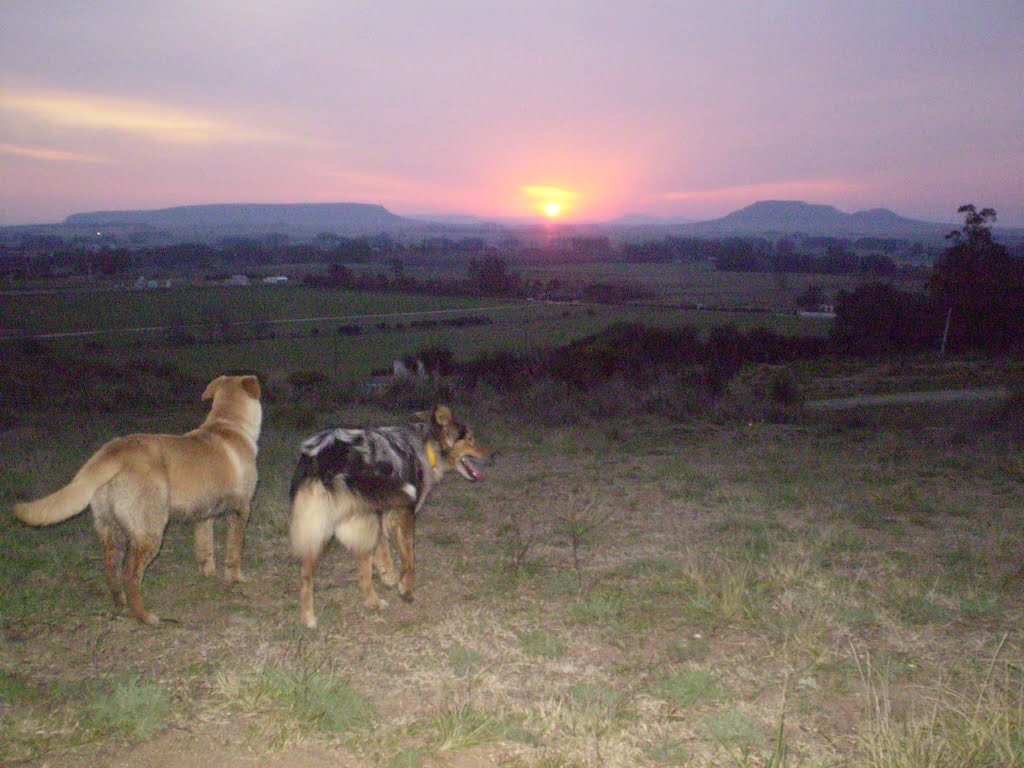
[263, 327]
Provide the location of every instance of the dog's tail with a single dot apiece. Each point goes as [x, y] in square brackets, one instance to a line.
[76, 495]
[311, 523]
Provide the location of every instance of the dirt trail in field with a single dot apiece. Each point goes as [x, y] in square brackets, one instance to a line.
[926, 396]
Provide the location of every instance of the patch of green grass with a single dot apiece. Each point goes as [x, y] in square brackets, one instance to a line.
[667, 751]
[542, 644]
[14, 689]
[842, 548]
[323, 700]
[598, 700]
[858, 616]
[982, 607]
[445, 540]
[408, 757]
[755, 537]
[463, 727]
[921, 609]
[598, 608]
[310, 700]
[465, 661]
[689, 688]
[131, 708]
[688, 649]
[734, 730]
[961, 563]
[977, 726]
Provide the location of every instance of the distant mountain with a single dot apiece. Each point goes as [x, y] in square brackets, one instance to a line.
[304, 221]
[785, 216]
[244, 219]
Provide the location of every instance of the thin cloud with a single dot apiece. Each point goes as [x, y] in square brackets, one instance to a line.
[151, 120]
[47, 154]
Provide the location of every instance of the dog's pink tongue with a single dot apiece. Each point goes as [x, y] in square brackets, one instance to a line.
[473, 471]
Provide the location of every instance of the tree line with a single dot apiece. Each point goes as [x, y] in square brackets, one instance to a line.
[42, 257]
[974, 300]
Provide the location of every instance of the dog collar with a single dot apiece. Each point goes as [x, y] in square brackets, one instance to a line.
[431, 456]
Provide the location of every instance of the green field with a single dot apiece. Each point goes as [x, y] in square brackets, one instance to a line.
[273, 329]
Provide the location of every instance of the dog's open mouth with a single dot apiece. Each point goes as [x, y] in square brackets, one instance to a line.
[472, 472]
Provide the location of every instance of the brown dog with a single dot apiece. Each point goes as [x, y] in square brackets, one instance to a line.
[365, 486]
[135, 484]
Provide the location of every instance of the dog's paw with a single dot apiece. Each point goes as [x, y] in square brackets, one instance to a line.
[375, 604]
[236, 577]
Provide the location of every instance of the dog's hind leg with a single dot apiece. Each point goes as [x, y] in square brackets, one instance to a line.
[309, 530]
[382, 556]
[114, 542]
[403, 527]
[238, 517]
[140, 507]
[364, 564]
[306, 612]
[140, 553]
[204, 547]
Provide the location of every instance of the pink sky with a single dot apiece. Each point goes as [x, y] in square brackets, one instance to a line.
[689, 109]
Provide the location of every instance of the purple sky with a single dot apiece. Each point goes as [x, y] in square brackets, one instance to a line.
[496, 108]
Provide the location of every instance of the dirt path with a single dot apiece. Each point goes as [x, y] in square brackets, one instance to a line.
[932, 396]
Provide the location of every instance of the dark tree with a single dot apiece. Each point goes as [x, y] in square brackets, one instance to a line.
[811, 298]
[489, 276]
[878, 319]
[980, 286]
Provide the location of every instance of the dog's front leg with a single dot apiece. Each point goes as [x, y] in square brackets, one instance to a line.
[203, 547]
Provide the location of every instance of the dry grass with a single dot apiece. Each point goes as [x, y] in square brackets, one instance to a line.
[829, 593]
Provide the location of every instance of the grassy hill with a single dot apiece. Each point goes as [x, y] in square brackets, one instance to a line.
[838, 589]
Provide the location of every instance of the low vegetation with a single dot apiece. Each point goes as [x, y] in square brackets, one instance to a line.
[732, 585]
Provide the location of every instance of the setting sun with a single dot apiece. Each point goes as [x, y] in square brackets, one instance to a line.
[550, 201]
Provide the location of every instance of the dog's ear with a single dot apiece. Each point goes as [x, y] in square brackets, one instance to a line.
[442, 415]
[212, 387]
[251, 385]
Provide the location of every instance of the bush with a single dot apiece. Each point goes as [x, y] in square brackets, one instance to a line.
[879, 319]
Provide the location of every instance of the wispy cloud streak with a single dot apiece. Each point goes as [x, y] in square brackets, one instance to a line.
[48, 154]
[155, 121]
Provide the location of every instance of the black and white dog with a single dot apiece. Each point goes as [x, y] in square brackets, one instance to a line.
[365, 486]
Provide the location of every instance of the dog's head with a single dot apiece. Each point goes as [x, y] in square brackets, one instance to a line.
[236, 398]
[458, 449]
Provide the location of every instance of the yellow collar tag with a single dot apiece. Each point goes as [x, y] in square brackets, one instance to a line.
[431, 456]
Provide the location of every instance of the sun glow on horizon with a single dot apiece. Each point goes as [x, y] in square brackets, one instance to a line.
[549, 201]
